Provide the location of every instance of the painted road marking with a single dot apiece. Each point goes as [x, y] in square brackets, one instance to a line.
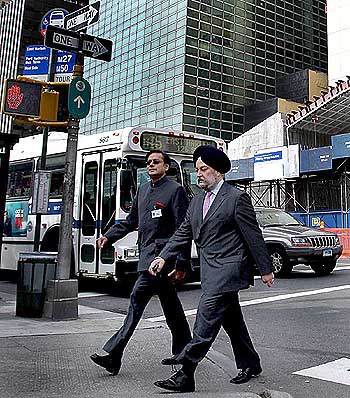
[279, 297]
[310, 271]
[91, 294]
[337, 371]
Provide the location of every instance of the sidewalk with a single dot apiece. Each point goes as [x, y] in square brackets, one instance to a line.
[43, 359]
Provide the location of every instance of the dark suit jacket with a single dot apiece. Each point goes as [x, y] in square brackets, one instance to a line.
[170, 198]
[229, 241]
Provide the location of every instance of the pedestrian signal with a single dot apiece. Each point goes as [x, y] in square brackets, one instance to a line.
[21, 98]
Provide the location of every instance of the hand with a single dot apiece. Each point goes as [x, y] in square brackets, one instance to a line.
[15, 97]
[101, 242]
[177, 275]
[268, 279]
[156, 266]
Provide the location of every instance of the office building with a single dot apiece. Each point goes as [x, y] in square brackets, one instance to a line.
[338, 40]
[194, 65]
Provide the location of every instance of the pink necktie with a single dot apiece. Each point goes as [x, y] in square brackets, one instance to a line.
[206, 204]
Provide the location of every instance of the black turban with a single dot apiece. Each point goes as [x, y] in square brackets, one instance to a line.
[213, 157]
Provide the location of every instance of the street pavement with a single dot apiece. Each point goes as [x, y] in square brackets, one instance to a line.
[42, 358]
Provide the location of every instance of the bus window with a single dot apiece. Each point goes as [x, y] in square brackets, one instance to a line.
[108, 206]
[190, 178]
[127, 190]
[142, 176]
[129, 181]
[19, 180]
[174, 172]
[89, 199]
[135, 175]
[109, 193]
[56, 165]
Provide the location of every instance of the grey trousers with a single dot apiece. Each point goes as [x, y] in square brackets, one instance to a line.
[145, 287]
[213, 312]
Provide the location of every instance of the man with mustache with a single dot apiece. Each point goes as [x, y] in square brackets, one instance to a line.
[158, 209]
[223, 225]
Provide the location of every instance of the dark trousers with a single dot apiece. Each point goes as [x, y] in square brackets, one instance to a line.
[213, 312]
[145, 287]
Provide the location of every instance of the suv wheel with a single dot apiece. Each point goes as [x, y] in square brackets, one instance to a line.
[322, 269]
[280, 262]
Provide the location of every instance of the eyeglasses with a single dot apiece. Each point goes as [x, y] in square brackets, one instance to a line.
[155, 161]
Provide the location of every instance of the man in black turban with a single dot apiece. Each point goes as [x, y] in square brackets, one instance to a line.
[212, 157]
[223, 225]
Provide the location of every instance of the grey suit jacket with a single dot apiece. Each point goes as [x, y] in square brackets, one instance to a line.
[229, 241]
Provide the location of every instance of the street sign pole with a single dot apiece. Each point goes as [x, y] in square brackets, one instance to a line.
[42, 165]
[65, 238]
[62, 293]
[55, 308]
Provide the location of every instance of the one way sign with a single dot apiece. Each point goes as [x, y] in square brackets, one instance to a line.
[91, 46]
[83, 17]
[97, 48]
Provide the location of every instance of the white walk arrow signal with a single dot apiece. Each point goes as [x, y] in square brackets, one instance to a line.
[79, 101]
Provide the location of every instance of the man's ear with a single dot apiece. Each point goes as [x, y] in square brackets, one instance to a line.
[167, 167]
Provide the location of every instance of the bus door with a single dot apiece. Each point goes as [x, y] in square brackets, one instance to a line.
[97, 212]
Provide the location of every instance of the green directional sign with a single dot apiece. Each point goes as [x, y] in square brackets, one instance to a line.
[79, 97]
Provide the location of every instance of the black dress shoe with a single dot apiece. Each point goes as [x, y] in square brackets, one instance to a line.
[245, 375]
[111, 363]
[169, 361]
[179, 382]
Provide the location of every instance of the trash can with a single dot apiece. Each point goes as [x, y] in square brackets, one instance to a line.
[34, 271]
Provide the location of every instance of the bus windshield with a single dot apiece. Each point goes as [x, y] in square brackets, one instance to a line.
[190, 178]
[136, 174]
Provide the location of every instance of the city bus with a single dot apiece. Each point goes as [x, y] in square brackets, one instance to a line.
[109, 168]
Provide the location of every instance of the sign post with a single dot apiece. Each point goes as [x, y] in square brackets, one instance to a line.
[78, 104]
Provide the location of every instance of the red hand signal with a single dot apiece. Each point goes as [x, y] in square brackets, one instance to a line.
[14, 97]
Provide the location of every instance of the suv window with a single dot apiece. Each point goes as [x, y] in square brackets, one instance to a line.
[273, 217]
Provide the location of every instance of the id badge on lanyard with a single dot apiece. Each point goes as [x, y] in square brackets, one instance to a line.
[156, 213]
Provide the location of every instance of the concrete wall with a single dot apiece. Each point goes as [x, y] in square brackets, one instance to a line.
[318, 82]
[267, 134]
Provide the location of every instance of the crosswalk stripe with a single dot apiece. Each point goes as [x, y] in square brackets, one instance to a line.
[336, 371]
[264, 300]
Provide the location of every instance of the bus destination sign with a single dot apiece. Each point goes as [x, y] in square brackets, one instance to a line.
[172, 144]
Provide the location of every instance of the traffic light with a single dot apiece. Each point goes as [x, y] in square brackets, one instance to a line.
[54, 105]
[21, 98]
[49, 106]
[36, 102]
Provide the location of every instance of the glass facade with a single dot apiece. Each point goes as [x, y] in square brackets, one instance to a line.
[143, 84]
[194, 65]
